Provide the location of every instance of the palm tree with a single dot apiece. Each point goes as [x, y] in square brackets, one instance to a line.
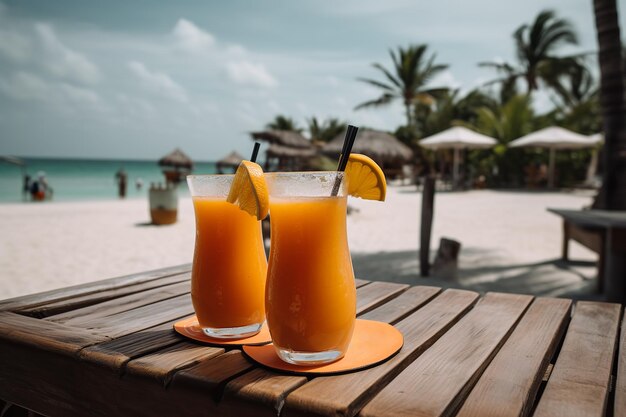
[516, 118]
[511, 121]
[535, 45]
[573, 83]
[450, 109]
[407, 81]
[612, 195]
[281, 122]
[326, 130]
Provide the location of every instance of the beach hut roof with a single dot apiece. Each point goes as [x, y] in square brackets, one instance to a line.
[287, 151]
[282, 137]
[457, 137]
[232, 159]
[176, 159]
[379, 145]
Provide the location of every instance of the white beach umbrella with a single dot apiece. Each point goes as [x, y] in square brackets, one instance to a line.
[554, 138]
[457, 138]
[597, 138]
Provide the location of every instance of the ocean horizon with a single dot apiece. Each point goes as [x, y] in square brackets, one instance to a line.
[74, 179]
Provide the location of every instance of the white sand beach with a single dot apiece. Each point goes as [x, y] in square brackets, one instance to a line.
[509, 241]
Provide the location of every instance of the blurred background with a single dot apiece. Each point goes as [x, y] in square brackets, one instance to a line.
[93, 95]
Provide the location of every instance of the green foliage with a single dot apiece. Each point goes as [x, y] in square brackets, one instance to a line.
[450, 110]
[322, 163]
[506, 123]
[407, 80]
[327, 130]
[535, 45]
[281, 122]
[505, 116]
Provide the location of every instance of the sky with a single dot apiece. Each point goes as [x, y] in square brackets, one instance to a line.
[133, 80]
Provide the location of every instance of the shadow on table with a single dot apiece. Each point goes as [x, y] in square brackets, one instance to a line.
[483, 270]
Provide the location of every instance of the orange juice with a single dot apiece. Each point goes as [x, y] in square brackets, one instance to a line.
[310, 296]
[229, 266]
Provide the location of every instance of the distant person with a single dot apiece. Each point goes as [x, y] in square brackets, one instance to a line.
[122, 179]
[36, 191]
[139, 184]
[40, 189]
[26, 187]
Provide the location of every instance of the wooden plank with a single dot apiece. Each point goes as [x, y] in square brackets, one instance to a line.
[131, 343]
[75, 303]
[53, 384]
[509, 385]
[211, 375]
[83, 315]
[360, 282]
[271, 388]
[579, 384]
[346, 394]
[259, 392]
[436, 383]
[141, 318]
[115, 354]
[55, 337]
[620, 381]
[377, 293]
[162, 364]
[403, 305]
[99, 289]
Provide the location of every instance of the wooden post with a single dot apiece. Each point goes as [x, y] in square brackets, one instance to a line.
[614, 272]
[428, 200]
[446, 262]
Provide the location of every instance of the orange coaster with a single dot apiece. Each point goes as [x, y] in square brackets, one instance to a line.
[190, 328]
[372, 343]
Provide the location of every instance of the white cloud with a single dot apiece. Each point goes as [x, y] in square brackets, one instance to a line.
[248, 73]
[63, 61]
[25, 86]
[191, 38]
[158, 82]
[14, 46]
[236, 50]
[445, 79]
[78, 94]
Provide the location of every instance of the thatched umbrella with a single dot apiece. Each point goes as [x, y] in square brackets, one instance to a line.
[181, 164]
[279, 151]
[382, 147]
[288, 150]
[232, 160]
[282, 137]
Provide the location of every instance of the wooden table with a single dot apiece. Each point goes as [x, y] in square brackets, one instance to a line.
[108, 349]
[603, 232]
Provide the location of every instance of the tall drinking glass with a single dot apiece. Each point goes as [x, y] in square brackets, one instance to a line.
[229, 263]
[310, 295]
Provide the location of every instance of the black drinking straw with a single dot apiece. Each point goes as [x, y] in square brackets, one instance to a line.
[348, 142]
[255, 151]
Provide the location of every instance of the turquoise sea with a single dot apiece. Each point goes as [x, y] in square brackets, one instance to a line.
[82, 179]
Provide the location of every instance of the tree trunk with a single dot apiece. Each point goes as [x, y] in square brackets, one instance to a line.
[612, 196]
[409, 119]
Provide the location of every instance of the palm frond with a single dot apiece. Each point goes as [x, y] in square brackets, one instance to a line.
[378, 84]
[381, 101]
[389, 76]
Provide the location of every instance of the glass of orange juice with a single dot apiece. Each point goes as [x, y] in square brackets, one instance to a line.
[310, 295]
[229, 263]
